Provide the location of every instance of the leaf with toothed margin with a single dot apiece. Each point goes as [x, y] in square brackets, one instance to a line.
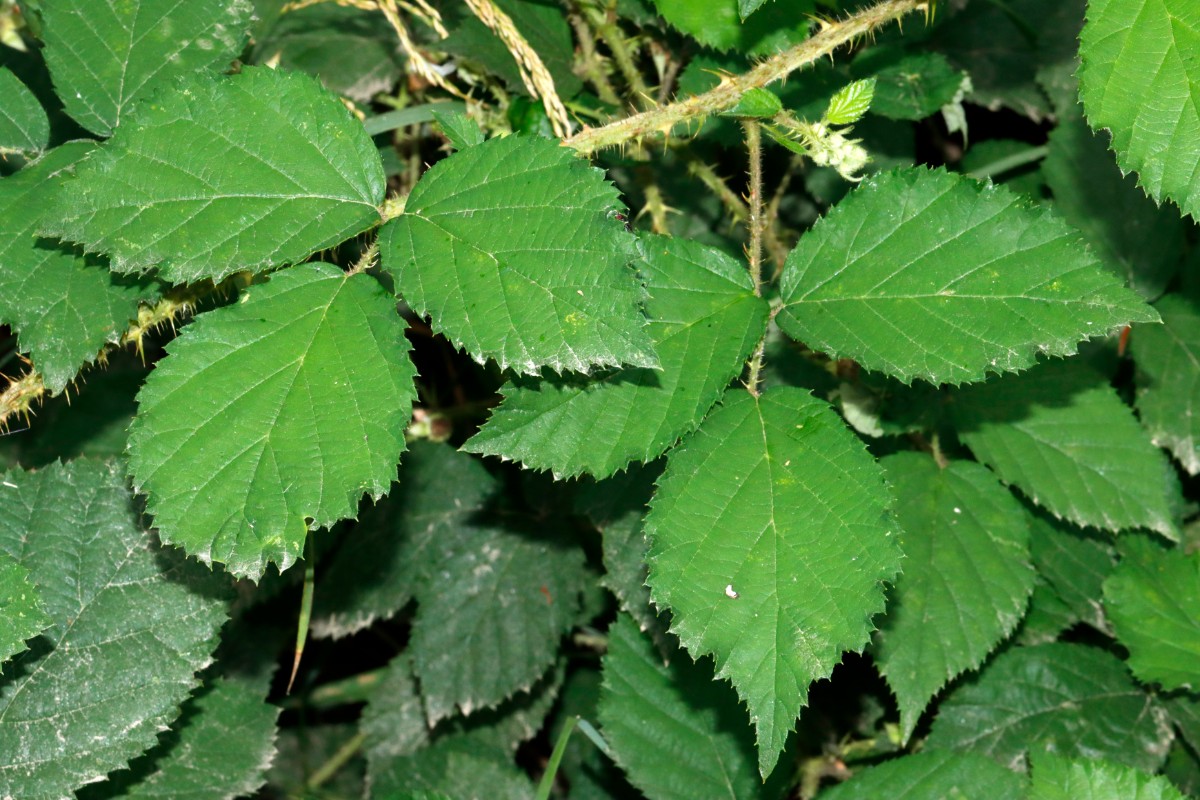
[513, 248]
[24, 127]
[966, 577]
[940, 774]
[1168, 379]
[131, 624]
[22, 615]
[704, 321]
[260, 422]
[922, 273]
[770, 541]
[1058, 778]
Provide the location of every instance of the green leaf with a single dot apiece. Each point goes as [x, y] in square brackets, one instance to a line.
[757, 103]
[1133, 237]
[352, 51]
[921, 273]
[850, 102]
[704, 321]
[131, 625]
[22, 613]
[1061, 435]
[1153, 601]
[748, 7]
[106, 57]
[513, 248]
[769, 542]
[1058, 778]
[461, 130]
[932, 774]
[1074, 565]
[911, 87]
[458, 767]
[966, 577]
[24, 127]
[1140, 80]
[1168, 379]
[242, 173]
[724, 24]
[393, 721]
[64, 307]
[1063, 698]
[258, 426]
[674, 732]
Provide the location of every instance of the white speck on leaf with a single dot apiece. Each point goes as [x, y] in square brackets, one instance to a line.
[730, 593]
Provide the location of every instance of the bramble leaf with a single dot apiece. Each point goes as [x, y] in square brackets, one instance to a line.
[704, 321]
[911, 87]
[932, 774]
[1061, 435]
[1140, 80]
[770, 540]
[512, 248]
[24, 127]
[921, 273]
[1168, 379]
[850, 103]
[1063, 698]
[966, 577]
[1058, 778]
[726, 24]
[259, 424]
[1153, 601]
[131, 625]
[221, 175]
[63, 306]
[1074, 566]
[22, 613]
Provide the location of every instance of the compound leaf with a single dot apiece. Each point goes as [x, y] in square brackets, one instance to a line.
[921, 273]
[966, 576]
[1153, 601]
[512, 247]
[22, 613]
[704, 321]
[1058, 778]
[1063, 698]
[274, 414]
[1168, 379]
[933, 774]
[225, 174]
[674, 732]
[1061, 435]
[770, 540]
[63, 306]
[130, 627]
[24, 126]
[106, 56]
[1140, 80]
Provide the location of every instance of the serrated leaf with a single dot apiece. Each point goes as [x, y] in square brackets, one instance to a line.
[63, 306]
[756, 103]
[1153, 601]
[131, 625]
[748, 7]
[704, 321]
[1136, 239]
[1073, 564]
[945, 775]
[1184, 710]
[456, 767]
[22, 614]
[393, 721]
[512, 248]
[922, 273]
[220, 175]
[1140, 80]
[259, 425]
[769, 542]
[674, 732]
[850, 102]
[1061, 435]
[722, 25]
[1063, 698]
[911, 87]
[461, 130]
[966, 577]
[24, 126]
[105, 57]
[1057, 778]
[1168, 379]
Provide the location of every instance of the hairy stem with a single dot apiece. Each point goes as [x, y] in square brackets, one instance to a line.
[754, 247]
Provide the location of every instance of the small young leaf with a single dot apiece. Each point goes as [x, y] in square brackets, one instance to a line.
[850, 103]
[1058, 778]
[1063, 698]
[925, 274]
[63, 306]
[258, 425]
[966, 576]
[676, 734]
[131, 625]
[225, 174]
[513, 249]
[461, 130]
[106, 57]
[22, 613]
[1168, 379]
[704, 321]
[770, 541]
[1153, 601]
[932, 774]
[24, 127]
[1141, 81]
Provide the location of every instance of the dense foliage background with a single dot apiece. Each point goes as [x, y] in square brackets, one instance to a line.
[599, 399]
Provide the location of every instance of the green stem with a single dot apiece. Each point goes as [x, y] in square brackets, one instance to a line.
[413, 115]
[560, 747]
[612, 35]
[306, 602]
[1009, 162]
[338, 760]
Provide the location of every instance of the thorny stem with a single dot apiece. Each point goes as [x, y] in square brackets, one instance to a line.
[727, 94]
[735, 207]
[590, 63]
[656, 207]
[614, 37]
[754, 248]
